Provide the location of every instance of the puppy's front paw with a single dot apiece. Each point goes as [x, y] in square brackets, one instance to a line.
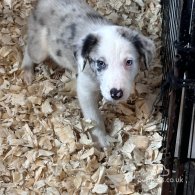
[104, 143]
[99, 137]
[28, 76]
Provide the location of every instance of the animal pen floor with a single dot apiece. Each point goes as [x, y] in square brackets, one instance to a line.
[45, 145]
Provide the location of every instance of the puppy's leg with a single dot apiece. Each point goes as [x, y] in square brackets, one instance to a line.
[88, 98]
[36, 50]
[27, 66]
[32, 54]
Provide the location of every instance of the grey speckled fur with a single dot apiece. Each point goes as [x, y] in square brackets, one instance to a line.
[55, 28]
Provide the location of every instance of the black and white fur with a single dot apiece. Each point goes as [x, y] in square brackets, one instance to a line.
[106, 57]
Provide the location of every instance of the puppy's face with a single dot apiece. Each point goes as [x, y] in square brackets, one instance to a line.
[114, 55]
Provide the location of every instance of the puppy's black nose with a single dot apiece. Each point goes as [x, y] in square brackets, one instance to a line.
[116, 94]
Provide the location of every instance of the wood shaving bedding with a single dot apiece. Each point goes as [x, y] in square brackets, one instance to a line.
[45, 144]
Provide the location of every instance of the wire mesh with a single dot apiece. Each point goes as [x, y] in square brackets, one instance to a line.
[178, 96]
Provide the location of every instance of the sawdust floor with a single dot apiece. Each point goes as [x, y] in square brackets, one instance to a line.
[45, 144]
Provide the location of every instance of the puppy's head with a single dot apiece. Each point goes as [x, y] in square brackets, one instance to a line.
[115, 54]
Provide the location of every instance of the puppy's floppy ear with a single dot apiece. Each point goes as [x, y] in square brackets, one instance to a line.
[89, 44]
[144, 46]
[86, 46]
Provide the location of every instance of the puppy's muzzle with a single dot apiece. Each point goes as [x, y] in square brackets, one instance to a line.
[116, 94]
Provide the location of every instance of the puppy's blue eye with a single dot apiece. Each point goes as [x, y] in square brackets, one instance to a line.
[129, 62]
[100, 65]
